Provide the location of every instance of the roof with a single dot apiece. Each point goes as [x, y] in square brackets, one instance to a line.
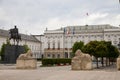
[93, 27]
[5, 33]
[88, 28]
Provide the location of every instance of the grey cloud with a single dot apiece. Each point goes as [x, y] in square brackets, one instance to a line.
[42, 13]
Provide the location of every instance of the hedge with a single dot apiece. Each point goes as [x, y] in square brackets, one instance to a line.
[46, 62]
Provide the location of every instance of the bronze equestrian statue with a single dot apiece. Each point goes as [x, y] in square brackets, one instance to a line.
[14, 34]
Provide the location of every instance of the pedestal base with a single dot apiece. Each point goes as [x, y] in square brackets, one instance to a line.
[26, 64]
[11, 53]
[118, 63]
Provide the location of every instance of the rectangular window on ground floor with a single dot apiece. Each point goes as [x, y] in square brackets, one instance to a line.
[58, 55]
[48, 55]
[53, 55]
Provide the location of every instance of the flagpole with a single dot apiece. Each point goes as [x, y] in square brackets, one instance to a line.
[64, 43]
[87, 18]
[68, 32]
[68, 43]
[68, 49]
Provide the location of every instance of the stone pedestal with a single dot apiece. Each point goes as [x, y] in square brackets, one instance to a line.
[25, 61]
[26, 64]
[75, 65]
[81, 61]
[11, 53]
[118, 63]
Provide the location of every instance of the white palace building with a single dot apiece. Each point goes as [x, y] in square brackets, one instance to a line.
[30, 40]
[58, 43]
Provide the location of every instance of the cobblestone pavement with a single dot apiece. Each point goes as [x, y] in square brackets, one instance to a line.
[58, 73]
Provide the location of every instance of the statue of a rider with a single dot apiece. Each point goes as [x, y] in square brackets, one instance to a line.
[15, 31]
[14, 34]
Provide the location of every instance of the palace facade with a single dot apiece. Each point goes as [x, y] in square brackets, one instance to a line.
[58, 43]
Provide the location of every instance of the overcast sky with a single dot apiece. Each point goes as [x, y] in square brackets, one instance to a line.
[33, 16]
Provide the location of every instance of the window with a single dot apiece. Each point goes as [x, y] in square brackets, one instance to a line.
[82, 36]
[48, 55]
[48, 45]
[53, 55]
[53, 45]
[65, 45]
[58, 44]
[32, 47]
[119, 39]
[58, 55]
[115, 42]
[95, 36]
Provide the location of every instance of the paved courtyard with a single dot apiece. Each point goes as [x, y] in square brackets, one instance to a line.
[8, 72]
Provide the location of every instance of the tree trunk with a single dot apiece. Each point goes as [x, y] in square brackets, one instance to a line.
[106, 61]
[112, 61]
[97, 62]
[2, 57]
[102, 62]
[109, 61]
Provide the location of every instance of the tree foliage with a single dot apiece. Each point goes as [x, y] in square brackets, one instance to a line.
[90, 48]
[2, 50]
[26, 48]
[76, 46]
[100, 49]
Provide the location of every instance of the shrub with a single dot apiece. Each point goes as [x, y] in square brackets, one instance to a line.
[47, 62]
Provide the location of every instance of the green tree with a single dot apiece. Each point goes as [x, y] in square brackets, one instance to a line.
[76, 46]
[101, 51]
[2, 50]
[113, 52]
[26, 48]
[90, 48]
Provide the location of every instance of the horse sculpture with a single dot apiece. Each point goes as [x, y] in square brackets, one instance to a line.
[14, 35]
